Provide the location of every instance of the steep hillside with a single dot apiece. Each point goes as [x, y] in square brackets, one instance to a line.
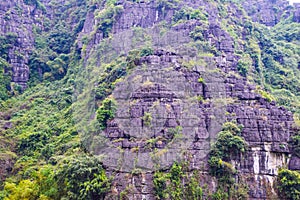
[149, 99]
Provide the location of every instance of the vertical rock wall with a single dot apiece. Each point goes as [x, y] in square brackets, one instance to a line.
[18, 18]
[26, 22]
[164, 89]
[268, 12]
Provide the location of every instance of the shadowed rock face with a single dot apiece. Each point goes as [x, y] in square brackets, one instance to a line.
[297, 13]
[6, 167]
[12, 22]
[267, 12]
[24, 21]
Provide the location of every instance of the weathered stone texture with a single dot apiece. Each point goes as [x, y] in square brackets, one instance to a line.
[169, 94]
[161, 94]
[18, 18]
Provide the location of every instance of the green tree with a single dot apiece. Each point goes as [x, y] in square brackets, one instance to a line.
[81, 177]
[228, 146]
[289, 184]
[179, 183]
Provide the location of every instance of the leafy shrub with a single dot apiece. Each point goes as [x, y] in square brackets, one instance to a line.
[35, 3]
[6, 42]
[279, 51]
[32, 141]
[60, 39]
[265, 95]
[243, 67]
[164, 5]
[159, 181]
[198, 33]
[59, 66]
[188, 13]
[107, 17]
[289, 184]
[147, 119]
[227, 147]
[5, 79]
[118, 69]
[81, 177]
[75, 177]
[201, 80]
[26, 189]
[31, 2]
[177, 184]
[232, 127]
[106, 112]
[219, 195]
[146, 52]
[113, 72]
[287, 31]
[42, 186]
[133, 58]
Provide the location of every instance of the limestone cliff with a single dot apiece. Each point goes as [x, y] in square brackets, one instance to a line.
[164, 87]
[32, 23]
[177, 70]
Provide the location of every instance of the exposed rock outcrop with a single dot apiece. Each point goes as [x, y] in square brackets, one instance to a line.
[173, 97]
[267, 12]
[169, 111]
[27, 22]
[18, 18]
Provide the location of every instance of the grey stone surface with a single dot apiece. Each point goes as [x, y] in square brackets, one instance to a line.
[266, 127]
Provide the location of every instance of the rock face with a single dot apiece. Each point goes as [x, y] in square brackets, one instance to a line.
[169, 111]
[18, 18]
[28, 22]
[267, 12]
[7, 158]
[296, 17]
[6, 165]
[170, 93]
[173, 103]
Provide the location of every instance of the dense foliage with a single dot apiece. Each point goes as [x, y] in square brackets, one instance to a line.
[106, 112]
[296, 144]
[289, 184]
[53, 43]
[77, 177]
[81, 177]
[177, 184]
